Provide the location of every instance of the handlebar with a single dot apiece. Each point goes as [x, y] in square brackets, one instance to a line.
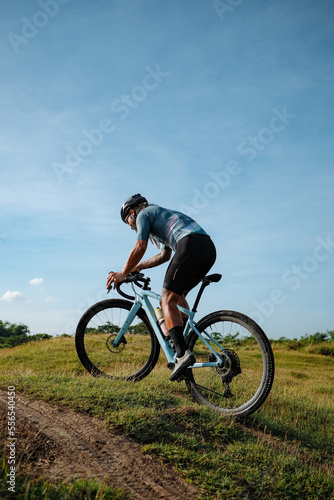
[134, 278]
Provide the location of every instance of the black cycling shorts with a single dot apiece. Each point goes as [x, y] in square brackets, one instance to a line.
[195, 255]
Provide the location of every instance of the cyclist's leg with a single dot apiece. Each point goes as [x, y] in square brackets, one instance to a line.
[169, 301]
[184, 303]
[173, 319]
[174, 323]
[171, 296]
[193, 258]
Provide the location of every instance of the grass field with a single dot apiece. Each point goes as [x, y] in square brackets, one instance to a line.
[283, 451]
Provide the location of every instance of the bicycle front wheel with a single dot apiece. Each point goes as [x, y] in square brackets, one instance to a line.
[242, 383]
[133, 358]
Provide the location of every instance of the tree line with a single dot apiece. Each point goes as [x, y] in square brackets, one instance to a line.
[12, 334]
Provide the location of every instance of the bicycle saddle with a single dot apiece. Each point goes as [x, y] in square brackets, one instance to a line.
[212, 278]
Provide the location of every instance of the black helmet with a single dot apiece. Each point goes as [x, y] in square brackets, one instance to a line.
[131, 202]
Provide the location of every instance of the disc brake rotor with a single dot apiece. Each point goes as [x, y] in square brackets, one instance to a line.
[111, 346]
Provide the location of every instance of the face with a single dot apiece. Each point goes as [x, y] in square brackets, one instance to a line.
[131, 221]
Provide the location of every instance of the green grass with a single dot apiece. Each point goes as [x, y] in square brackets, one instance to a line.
[283, 451]
[32, 489]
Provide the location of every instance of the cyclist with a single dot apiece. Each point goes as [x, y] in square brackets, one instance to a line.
[194, 256]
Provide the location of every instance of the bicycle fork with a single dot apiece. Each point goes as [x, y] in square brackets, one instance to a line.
[120, 337]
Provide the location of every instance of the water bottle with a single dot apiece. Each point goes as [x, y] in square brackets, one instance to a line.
[161, 322]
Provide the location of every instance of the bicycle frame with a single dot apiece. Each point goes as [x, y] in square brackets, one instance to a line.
[142, 300]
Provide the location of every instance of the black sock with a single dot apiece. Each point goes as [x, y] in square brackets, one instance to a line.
[184, 322]
[176, 334]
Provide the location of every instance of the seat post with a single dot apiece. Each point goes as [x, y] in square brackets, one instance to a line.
[205, 283]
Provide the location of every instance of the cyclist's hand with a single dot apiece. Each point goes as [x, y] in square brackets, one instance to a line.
[114, 278]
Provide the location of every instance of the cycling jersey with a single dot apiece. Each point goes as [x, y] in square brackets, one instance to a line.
[164, 227]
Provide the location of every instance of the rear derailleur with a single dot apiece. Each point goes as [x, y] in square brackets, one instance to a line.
[229, 369]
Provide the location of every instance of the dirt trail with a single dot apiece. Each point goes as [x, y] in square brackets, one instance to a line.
[72, 446]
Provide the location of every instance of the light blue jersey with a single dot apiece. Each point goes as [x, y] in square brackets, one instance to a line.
[164, 227]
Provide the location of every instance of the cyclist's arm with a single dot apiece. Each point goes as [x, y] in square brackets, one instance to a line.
[162, 257]
[134, 258]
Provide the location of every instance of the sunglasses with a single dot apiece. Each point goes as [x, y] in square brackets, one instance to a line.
[126, 219]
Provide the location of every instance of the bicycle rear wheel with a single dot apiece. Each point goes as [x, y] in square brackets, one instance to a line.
[242, 383]
[135, 356]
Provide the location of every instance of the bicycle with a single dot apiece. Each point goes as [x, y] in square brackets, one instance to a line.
[121, 340]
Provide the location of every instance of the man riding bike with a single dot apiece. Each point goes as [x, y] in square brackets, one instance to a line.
[194, 256]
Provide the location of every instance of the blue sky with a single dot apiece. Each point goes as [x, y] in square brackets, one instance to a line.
[220, 109]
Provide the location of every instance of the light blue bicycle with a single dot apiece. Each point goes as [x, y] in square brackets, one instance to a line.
[234, 369]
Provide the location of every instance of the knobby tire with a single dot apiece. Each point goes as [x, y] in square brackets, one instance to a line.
[244, 381]
[133, 359]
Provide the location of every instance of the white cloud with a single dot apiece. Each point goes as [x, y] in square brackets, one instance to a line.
[36, 281]
[12, 296]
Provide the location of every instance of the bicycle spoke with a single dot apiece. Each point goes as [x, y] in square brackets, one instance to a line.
[244, 379]
[133, 357]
